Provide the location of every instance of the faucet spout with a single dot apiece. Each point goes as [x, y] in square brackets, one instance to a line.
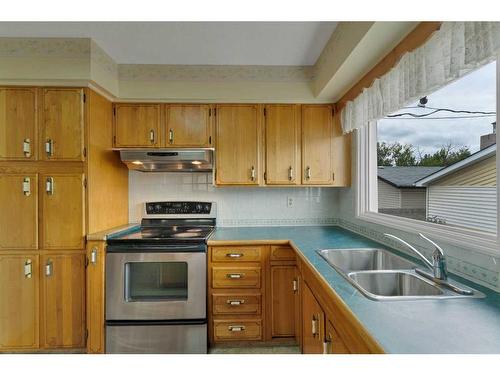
[422, 256]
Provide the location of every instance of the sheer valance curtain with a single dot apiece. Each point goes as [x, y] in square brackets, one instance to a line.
[453, 51]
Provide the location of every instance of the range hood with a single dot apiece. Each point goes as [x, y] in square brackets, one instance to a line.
[168, 160]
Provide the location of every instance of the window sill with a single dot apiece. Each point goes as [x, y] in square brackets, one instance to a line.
[474, 240]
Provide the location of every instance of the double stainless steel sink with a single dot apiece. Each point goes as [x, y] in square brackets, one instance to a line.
[384, 276]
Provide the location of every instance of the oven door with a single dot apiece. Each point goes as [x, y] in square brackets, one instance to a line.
[155, 285]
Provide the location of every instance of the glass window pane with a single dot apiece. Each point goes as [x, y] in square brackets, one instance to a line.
[437, 157]
[153, 281]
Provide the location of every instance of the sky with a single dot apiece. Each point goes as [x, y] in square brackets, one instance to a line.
[475, 91]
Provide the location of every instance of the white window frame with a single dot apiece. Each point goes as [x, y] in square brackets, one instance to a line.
[366, 205]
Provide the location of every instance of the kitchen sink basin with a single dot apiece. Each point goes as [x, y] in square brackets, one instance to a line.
[347, 260]
[393, 284]
[382, 275]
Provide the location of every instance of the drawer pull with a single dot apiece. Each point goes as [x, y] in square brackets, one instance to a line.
[234, 255]
[235, 302]
[235, 275]
[236, 328]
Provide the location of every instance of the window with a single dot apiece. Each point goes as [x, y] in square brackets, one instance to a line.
[432, 166]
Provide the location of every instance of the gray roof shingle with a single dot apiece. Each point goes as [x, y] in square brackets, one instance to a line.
[404, 177]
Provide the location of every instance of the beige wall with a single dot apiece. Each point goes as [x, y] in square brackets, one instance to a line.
[483, 173]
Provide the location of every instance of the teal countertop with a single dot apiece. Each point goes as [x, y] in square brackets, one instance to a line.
[425, 326]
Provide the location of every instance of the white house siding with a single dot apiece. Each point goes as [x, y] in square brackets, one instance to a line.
[413, 198]
[473, 207]
[388, 196]
[483, 173]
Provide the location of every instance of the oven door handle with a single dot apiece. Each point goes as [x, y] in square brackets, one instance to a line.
[157, 249]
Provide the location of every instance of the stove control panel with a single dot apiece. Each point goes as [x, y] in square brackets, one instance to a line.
[178, 208]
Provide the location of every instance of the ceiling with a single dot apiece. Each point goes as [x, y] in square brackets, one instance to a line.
[192, 43]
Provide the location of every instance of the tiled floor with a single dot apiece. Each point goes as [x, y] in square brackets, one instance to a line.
[281, 349]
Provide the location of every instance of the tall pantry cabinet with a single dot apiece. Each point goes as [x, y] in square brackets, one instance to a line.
[48, 196]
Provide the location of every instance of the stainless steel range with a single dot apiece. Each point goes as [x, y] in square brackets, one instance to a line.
[156, 281]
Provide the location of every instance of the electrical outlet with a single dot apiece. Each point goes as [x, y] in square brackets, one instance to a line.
[289, 202]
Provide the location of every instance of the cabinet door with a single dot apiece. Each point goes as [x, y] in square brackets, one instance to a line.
[137, 125]
[63, 224]
[62, 124]
[283, 301]
[237, 151]
[95, 297]
[317, 144]
[19, 211]
[188, 125]
[19, 301]
[63, 300]
[333, 342]
[18, 124]
[313, 319]
[282, 130]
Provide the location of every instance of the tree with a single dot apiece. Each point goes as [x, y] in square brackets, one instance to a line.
[404, 155]
[395, 154]
[445, 156]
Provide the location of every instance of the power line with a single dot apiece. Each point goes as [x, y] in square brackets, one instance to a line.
[439, 118]
[436, 110]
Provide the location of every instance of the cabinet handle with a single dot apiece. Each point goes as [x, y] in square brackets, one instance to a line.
[235, 302]
[93, 255]
[308, 173]
[27, 186]
[290, 173]
[236, 328]
[295, 286]
[252, 173]
[234, 255]
[171, 136]
[327, 344]
[49, 147]
[49, 185]
[27, 147]
[314, 326]
[152, 136]
[333, 176]
[235, 275]
[28, 269]
[48, 268]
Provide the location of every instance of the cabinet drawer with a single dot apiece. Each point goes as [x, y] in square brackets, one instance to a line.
[227, 330]
[236, 303]
[236, 277]
[237, 254]
[282, 253]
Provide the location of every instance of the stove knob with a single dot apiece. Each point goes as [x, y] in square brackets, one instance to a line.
[157, 208]
[207, 208]
[199, 208]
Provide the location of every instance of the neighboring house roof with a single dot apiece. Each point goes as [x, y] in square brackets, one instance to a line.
[474, 158]
[404, 177]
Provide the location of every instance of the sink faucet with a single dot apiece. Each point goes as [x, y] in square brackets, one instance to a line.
[438, 264]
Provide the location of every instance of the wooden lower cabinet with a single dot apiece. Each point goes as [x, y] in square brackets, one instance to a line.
[238, 330]
[63, 299]
[95, 301]
[283, 296]
[333, 343]
[313, 322]
[19, 291]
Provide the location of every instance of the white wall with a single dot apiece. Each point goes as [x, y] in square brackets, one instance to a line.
[237, 206]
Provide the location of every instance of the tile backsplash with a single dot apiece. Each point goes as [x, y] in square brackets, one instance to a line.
[236, 206]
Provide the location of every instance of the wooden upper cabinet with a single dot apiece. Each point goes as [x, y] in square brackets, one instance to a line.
[282, 130]
[63, 223]
[62, 126]
[18, 123]
[19, 291]
[19, 207]
[63, 300]
[238, 142]
[137, 125]
[188, 125]
[317, 144]
[313, 320]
